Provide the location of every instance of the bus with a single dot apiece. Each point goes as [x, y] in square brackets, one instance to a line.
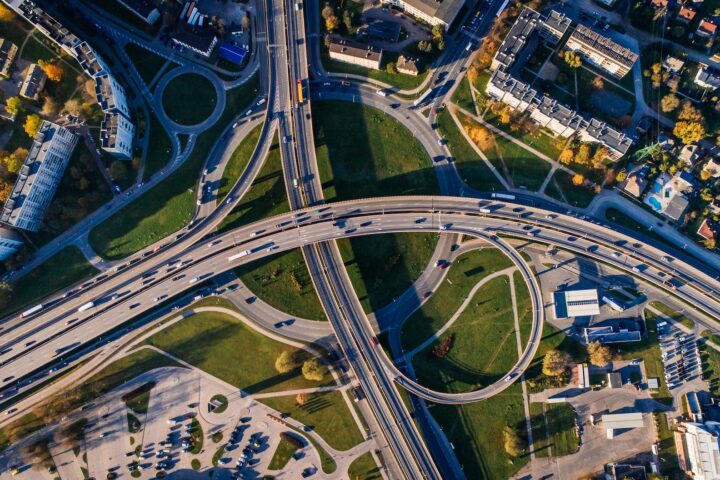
[300, 92]
[504, 196]
[31, 311]
[87, 306]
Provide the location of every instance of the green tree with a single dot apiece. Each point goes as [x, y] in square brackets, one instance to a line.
[348, 20]
[6, 294]
[14, 105]
[314, 370]
[391, 68]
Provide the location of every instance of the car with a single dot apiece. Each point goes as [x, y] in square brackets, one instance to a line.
[441, 141]
[11, 410]
[426, 295]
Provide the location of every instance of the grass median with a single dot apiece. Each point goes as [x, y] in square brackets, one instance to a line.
[238, 162]
[364, 468]
[189, 99]
[169, 205]
[147, 63]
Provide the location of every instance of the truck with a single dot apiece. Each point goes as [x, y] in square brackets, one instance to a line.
[31, 311]
[239, 255]
[300, 92]
[505, 196]
[485, 210]
[86, 307]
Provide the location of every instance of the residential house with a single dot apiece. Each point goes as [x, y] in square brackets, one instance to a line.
[686, 14]
[689, 154]
[430, 11]
[8, 50]
[670, 195]
[707, 77]
[673, 64]
[659, 3]
[708, 229]
[601, 51]
[408, 65]
[636, 181]
[706, 29]
[356, 53]
[33, 83]
[713, 166]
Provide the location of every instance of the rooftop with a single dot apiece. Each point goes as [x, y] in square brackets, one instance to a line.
[604, 45]
[88, 60]
[52, 27]
[33, 82]
[623, 420]
[199, 38]
[445, 10]
[143, 7]
[355, 49]
[517, 37]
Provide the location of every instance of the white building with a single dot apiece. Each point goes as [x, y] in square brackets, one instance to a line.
[356, 53]
[430, 11]
[111, 95]
[621, 421]
[39, 177]
[576, 303]
[601, 51]
[702, 451]
[116, 135]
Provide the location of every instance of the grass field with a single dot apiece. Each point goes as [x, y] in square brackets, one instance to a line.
[283, 282]
[147, 63]
[463, 97]
[189, 99]
[399, 80]
[159, 148]
[576, 195]
[471, 167]
[465, 272]
[237, 163]
[59, 271]
[669, 464]
[541, 142]
[382, 267]
[484, 346]
[168, 206]
[220, 345]
[669, 312]
[283, 453]
[553, 427]
[326, 413]
[364, 468]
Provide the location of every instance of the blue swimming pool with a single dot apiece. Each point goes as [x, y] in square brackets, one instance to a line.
[655, 203]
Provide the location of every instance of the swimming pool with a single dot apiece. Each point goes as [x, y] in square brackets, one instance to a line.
[655, 203]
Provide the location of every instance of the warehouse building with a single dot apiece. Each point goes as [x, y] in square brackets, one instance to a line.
[576, 303]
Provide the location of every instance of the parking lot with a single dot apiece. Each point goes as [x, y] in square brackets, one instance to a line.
[680, 355]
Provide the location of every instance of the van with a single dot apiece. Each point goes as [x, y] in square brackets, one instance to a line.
[382, 93]
[468, 47]
[261, 101]
[295, 183]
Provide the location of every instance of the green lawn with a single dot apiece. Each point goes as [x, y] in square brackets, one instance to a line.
[189, 99]
[382, 267]
[147, 63]
[399, 80]
[579, 196]
[237, 163]
[553, 426]
[159, 148]
[473, 170]
[364, 468]
[463, 97]
[170, 205]
[283, 281]
[465, 272]
[648, 350]
[121, 13]
[669, 312]
[362, 152]
[223, 403]
[484, 347]
[220, 345]
[284, 452]
[59, 271]
[328, 415]
[669, 464]
[15, 29]
[542, 142]
[710, 367]
[139, 403]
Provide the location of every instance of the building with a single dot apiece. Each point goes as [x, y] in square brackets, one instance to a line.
[196, 38]
[576, 303]
[636, 181]
[8, 50]
[408, 65]
[707, 230]
[39, 177]
[673, 64]
[694, 406]
[233, 53]
[670, 195]
[381, 30]
[707, 77]
[700, 445]
[49, 26]
[356, 53]
[621, 421]
[689, 154]
[111, 95]
[554, 26]
[33, 83]
[621, 471]
[143, 9]
[516, 39]
[430, 11]
[608, 334]
[713, 166]
[90, 61]
[653, 383]
[686, 14]
[601, 51]
[583, 375]
[614, 380]
[706, 29]
[659, 3]
[10, 242]
[116, 135]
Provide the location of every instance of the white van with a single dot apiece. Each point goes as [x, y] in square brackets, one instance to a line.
[382, 93]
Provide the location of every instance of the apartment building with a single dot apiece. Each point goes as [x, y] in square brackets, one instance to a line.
[434, 12]
[39, 177]
[116, 135]
[601, 51]
[111, 95]
[33, 83]
[349, 51]
[8, 51]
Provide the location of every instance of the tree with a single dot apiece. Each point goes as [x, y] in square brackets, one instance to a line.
[689, 132]
[621, 176]
[302, 398]
[555, 363]
[669, 102]
[50, 107]
[285, 362]
[6, 294]
[598, 159]
[599, 354]
[39, 450]
[438, 31]
[348, 20]
[480, 135]
[15, 160]
[73, 107]
[53, 71]
[578, 179]
[598, 83]
[572, 59]
[6, 15]
[566, 156]
[690, 113]
[14, 105]
[710, 243]
[514, 445]
[327, 12]
[706, 195]
[314, 370]
[332, 23]
[705, 175]
[391, 68]
[583, 154]
[441, 44]
[425, 46]
[32, 125]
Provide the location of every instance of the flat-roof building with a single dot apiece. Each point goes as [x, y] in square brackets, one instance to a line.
[39, 177]
[196, 38]
[609, 335]
[233, 53]
[10, 242]
[349, 51]
[516, 39]
[8, 50]
[601, 51]
[614, 380]
[434, 12]
[33, 83]
[111, 95]
[700, 441]
[49, 26]
[89, 60]
[143, 9]
[116, 135]
[576, 303]
[621, 421]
